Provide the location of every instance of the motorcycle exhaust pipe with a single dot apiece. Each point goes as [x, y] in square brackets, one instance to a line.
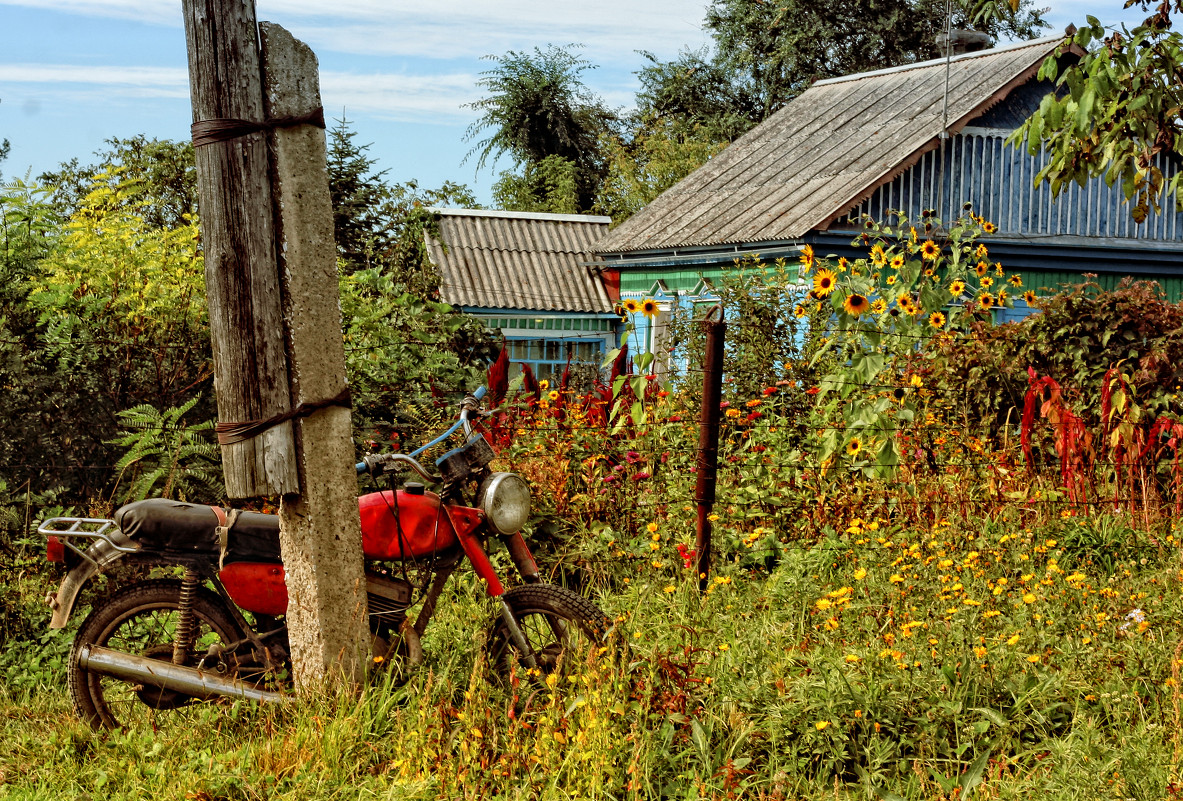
[181, 679]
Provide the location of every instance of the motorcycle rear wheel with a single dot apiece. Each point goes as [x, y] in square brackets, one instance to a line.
[544, 613]
[141, 620]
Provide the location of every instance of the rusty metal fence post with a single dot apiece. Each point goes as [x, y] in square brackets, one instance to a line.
[708, 440]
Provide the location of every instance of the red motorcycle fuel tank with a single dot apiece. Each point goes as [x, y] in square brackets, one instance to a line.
[425, 528]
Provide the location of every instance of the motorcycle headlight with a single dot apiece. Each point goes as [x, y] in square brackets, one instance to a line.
[505, 500]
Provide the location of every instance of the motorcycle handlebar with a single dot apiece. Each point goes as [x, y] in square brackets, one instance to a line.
[471, 403]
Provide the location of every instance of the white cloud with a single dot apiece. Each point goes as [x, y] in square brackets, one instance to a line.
[164, 78]
[434, 98]
[445, 29]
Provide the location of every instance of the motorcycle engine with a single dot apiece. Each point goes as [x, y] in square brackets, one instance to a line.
[388, 599]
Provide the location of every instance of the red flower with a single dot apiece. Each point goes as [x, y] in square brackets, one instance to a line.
[813, 390]
[753, 415]
[769, 391]
[641, 476]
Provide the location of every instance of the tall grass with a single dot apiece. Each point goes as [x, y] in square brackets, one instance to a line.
[969, 658]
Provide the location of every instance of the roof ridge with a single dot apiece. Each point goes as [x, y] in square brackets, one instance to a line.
[1041, 42]
[522, 215]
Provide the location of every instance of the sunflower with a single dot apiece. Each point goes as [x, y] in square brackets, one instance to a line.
[998, 268]
[890, 280]
[854, 446]
[823, 282]
[553, 395]
[981, 267]
[649, 308]
[807, 257]
[1029, 296]
[986, 282]
[988, 226]
[799, 311]
[985, 301]
[929, 250]
[856, 304]
[879, 306]
[956, 288]
[930, 273]
[897, 261]
[631, 306]
[1015, 280]
[842, 264]
[878, 257]
[981, 252]
[936, 320]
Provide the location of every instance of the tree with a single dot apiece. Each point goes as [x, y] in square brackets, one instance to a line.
[538, 108]
[766, 52]
[157, 176]
[357, 192]
[1114, 110]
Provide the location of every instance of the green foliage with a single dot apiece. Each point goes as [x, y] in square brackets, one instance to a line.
[1114, 109]
[657, 156]
[401, 349]
[360, 227]
[1081, 333]
[157, 178]
[538, 107]
[131, 294]
[548, 185]
[166, 458]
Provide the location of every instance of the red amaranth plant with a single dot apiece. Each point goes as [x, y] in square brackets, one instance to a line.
[1072, 439]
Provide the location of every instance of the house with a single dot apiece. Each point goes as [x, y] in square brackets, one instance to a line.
[532, 278]
[921, 136]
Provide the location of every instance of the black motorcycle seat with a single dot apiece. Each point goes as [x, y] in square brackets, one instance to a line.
[159, 524]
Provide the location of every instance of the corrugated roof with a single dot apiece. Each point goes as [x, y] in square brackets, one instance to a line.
[825, 151]
[518, 260]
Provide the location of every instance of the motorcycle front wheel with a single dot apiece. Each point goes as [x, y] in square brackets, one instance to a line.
[142, 620]
[554, 621]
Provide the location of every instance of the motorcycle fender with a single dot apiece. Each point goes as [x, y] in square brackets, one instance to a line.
[102, 554]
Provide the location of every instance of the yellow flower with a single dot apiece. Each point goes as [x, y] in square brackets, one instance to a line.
[823, 282]
[631, 306]
[896, 578]
[854, 446]
[821, 725]
[897, 261]
[649, 308]
[669, 588]
[1033, 658]
[651, 528]
[929, 250]
[860, 574]
[823, 603]
[807, 256]
[936, 320]
[856, 304]
[1013, 639]
[878, 257]
[879, 306]
[1029, 598]
[956, 288]
[851, 658]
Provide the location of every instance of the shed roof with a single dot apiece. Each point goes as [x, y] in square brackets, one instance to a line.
[825, 151]
[519, 260]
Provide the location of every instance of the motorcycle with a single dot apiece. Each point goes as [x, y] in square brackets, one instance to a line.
[217, 629]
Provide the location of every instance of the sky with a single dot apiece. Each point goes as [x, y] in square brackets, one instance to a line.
[74, 73]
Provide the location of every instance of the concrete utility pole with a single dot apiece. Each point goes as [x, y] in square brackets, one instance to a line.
[327, 621]
[267, 384]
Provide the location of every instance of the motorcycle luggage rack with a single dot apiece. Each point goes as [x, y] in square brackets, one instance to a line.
[92, 528]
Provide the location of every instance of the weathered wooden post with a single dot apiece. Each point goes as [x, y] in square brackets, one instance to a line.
[252, 253]
[708, 441]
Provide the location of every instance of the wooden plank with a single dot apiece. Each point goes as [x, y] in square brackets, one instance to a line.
[238, 240]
